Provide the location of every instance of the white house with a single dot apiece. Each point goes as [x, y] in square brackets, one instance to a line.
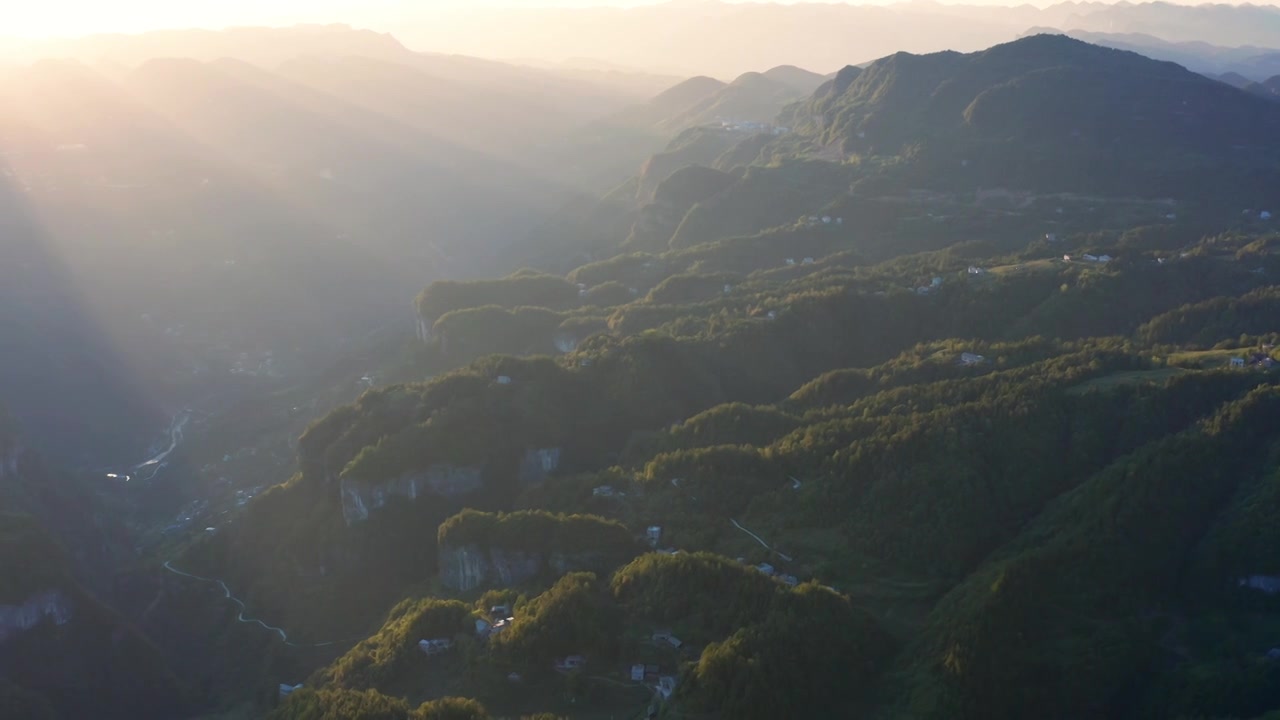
[664, 637]
[1237, 362]
[826, 219]
[637, 673]
[503, 380]
[500, 611]
[482, 628]
[286, 689]
[791, 261]
[728, 289]
[971, 359]
[1051, 237]
[791, 580]
[1090, 258]
[839, 221]
[773, 315]
[653, 535]
[1264, 215]
[807, 261]
[666, 686]
[975, 270]
[604, 491]
[936, 282]
[1105, 258]
[765, 568]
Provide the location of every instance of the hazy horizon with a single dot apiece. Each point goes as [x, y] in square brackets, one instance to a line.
[74, 19]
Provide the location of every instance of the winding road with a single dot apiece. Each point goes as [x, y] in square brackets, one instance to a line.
[226, 591]
[760, 540]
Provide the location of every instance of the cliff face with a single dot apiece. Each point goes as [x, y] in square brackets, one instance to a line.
[50, 604]
[10, 457]
[361, 498]
[536, 465]
[467, 567]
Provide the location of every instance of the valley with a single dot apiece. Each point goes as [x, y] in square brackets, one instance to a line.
[352, 381]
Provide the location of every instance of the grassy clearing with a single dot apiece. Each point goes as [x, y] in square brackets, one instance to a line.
[1129, 378]
[1208, 359]
[1031, 266]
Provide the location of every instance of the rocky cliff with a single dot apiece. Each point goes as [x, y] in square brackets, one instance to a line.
[536, 465]
[10, 458]
[359, 498]
[50, 604]
[467, 567]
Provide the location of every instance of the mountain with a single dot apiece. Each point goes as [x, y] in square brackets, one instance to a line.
[1223, 25]
[947, 391]
[670, 102]
[619, 141]
[1254, 63]
[1023, 117]
[1267, 88]
[63, 652]
[798, 78]
[146, 212]
[750, 98]
[832, 430]
[1235, 80]
[725, 39]
[1029, 112]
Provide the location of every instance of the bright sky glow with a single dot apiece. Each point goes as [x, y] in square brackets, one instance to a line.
[28, 19]
[66, 18]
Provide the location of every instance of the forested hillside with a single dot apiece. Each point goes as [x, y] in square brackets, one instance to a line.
[62, 652]
[945, 391]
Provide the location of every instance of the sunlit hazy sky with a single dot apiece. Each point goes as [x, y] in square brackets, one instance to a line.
[64, 18]
[43, 18]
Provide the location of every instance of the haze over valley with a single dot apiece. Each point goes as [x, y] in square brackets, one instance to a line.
[687, 360]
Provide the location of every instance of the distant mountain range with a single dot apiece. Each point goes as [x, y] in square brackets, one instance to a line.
[1045, 113]
[147, 205]
[1249, 63]
[727, 39]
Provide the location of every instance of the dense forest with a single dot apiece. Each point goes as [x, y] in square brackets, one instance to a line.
[938, 391]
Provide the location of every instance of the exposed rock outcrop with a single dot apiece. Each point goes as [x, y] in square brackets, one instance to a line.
[538, 464]
[10, 457]
[50, 604]
[360, 498]
[468, 567]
